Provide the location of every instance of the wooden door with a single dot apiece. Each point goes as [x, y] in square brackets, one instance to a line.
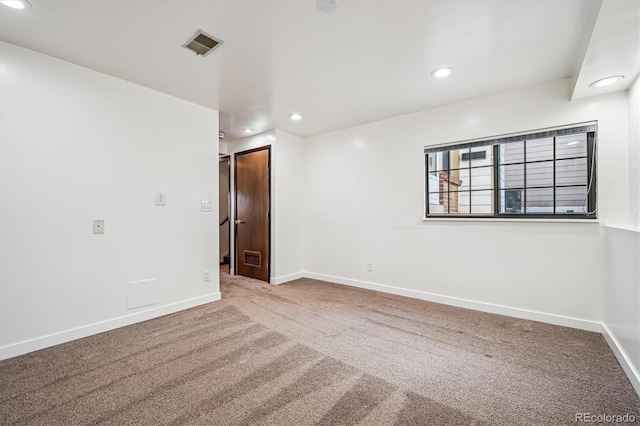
[252, 222]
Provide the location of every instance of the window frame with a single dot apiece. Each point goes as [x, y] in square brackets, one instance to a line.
[590, 129]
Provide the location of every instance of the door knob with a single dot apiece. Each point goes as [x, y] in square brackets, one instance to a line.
[238, 221]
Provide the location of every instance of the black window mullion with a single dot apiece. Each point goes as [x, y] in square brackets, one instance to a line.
[554, 175]
[496, 180]
[446, 162]
[426, 168]
[591, 172]
[469, 171]
[524, 177]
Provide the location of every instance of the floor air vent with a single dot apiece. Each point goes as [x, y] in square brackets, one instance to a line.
[202, 43]
[252, 258]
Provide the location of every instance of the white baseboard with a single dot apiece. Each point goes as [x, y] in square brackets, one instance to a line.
[38, 343]
[623, 358]
[286, 278]
[581, 324]
[578, 323]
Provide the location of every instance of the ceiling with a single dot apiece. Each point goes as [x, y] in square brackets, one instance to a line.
[365, 61]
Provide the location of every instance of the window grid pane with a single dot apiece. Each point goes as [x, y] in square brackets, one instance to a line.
[511, 201]
[481, 202]
[512, 176]
[512, 153]
[539, 149]
[571, 146]
[481, 178]
[539, 174]
[539, 200]
[460, 202]
[571, 199]
[571, 172]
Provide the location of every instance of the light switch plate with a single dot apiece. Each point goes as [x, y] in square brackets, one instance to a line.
[205, 206]
[98, 226]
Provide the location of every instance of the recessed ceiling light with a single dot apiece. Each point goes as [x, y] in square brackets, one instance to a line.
[16, 4]
[247, 130]
[326, 6]
[608, 81]
[442, 72]
[295, 116]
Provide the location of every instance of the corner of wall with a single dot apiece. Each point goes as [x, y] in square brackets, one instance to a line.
[634, 153]
[621, 301]
[627, 364]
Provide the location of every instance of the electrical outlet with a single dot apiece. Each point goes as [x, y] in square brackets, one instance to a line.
[161, 199]
[205, 276]
[370, 266]
[98, 226]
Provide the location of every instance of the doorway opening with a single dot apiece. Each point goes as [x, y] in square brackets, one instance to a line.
[224, 203]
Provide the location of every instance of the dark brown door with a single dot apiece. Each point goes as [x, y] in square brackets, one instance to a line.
[253, 213]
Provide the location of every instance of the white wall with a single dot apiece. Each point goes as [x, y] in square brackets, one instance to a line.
[76, 145]
[634, 153]
[622, 278]
[364, 201]
[288, 168]
[286, 190]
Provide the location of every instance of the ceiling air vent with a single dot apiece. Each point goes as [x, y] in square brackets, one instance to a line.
[202, 43]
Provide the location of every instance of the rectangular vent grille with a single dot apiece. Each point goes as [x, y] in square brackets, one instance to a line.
[252, 258]
[202, 43]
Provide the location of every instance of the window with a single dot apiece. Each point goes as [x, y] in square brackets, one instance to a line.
[544, 174]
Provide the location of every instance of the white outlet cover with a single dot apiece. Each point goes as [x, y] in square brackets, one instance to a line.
[161, 199]
[98, 226]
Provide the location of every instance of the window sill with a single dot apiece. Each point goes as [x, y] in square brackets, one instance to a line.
[501, 219]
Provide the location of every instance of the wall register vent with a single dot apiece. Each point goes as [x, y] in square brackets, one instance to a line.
[202, 43]
[252, 258]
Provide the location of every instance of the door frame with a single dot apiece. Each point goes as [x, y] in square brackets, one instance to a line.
[235, 208]
[227, 158]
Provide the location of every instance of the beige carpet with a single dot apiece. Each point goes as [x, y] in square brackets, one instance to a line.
[310, 352]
